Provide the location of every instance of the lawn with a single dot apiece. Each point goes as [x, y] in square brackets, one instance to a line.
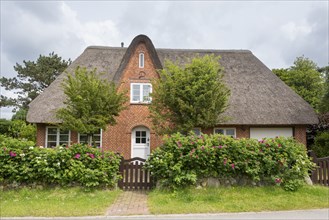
[55, 202]
[237, 199]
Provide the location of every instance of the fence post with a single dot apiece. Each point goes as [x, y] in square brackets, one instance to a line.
[121, 171]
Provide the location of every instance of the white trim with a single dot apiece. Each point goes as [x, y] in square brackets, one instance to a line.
[141, 60]
[100, 140]
[140, 92]
[57, 136]
[224, 128]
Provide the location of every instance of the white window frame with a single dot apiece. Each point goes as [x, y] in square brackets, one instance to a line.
[100, 139]
[141, 60]
[141, 91]
[57, 136]
[225, 129]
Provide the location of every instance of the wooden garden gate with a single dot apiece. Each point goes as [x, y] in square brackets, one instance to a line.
[134, 177]
[321, 173]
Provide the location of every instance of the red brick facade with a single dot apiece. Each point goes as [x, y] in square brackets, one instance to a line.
[117, 138]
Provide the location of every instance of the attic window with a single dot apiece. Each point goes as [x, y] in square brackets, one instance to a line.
[141, 60]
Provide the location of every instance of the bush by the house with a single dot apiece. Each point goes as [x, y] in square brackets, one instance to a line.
[183, 160]
[321, 145]
[66, 166]
[10, 142]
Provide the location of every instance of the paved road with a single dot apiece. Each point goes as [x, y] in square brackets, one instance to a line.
[286, 215]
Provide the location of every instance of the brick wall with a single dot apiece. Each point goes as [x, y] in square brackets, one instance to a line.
[118, 137]
[41, 134]
[300, 134]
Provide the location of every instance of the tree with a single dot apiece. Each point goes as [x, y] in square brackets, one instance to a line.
[324, 104]
[32, 78]
[304, 78]
[91, 103]
[188, 97]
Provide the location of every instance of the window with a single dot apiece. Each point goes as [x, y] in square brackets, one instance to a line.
[140, 137]
[140, 92]
[141, 60]
[95, 139]
[197, 131]
[55, 137]
[225, 131]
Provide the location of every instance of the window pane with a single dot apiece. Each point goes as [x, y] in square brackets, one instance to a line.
[138, 140]
[97, 138]
[64, 138]
[196, 131]
[143, 133]
[51, 144]
[138, 133]
[52, 138]
[52, 130]
[143, 140]
[136, 93]
[230, 132]
[64, 132]
[146, 93]
[141, 60]
[219, 131]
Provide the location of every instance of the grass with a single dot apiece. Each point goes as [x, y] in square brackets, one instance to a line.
[55, 202]
[237, 199]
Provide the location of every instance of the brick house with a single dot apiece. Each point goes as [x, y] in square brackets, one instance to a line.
[261, 105]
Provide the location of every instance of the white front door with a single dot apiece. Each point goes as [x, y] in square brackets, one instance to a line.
[140, 142]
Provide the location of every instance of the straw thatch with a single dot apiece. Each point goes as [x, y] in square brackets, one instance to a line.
[258, 97]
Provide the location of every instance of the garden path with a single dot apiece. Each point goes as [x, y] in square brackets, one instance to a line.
[130, 203]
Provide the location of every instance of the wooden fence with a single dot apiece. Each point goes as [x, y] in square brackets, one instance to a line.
[134, 177]
[321, 173]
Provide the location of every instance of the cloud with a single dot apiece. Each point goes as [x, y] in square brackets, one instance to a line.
[276, 32]
[28, 31]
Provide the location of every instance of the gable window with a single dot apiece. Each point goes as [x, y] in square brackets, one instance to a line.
[56, 137]
[141, 60]
[95, 139]
[140, 92]
[226, 131]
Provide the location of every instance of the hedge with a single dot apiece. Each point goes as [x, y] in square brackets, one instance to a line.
[183, 160]
[78, 164]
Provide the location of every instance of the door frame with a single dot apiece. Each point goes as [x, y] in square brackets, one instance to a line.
[148, 139]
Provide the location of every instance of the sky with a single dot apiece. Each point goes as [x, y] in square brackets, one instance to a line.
[275, 31]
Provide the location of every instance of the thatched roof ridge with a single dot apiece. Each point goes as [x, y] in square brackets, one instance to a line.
[136, 41]
[258, 97]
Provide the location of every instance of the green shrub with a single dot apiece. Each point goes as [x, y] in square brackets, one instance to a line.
[182, 160]
[321, 145]
[21, 129]
[75, 165]
[10, 142]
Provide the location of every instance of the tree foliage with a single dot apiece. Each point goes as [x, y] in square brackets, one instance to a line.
[32, 78]
[324, 105]
[91, 103]
[190, 96]
[305, 79]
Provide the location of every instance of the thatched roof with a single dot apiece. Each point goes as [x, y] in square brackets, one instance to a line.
[258, 97]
